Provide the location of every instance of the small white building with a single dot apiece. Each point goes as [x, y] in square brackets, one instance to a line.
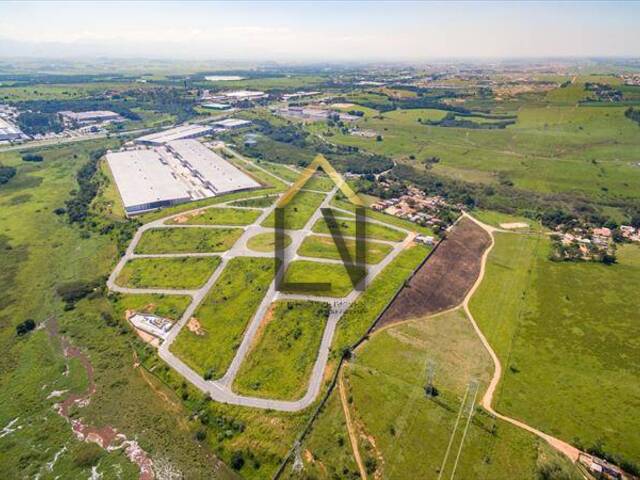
[152, 324]
[232, 123]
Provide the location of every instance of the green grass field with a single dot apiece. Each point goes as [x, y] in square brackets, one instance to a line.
[167, 306]
[567, 334]
[186, 272]
[551, 148]
[265, 242]
[188, 240]
[305, 271]
[373, 230]
[280, 362]
[298, 211]
[40, 252]
[217, 216]
[325, 247]
[259, 202]
[224, 315]
[388, 404]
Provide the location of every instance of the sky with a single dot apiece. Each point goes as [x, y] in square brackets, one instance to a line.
[319, 31]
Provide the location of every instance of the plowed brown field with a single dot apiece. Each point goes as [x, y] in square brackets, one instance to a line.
[445, 278]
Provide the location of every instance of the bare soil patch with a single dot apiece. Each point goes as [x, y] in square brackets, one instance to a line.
[446, 277]
[194, 326]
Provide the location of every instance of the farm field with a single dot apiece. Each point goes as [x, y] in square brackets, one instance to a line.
[187, 240]
[304, 271]
[265, 242]
[217, 216]
[553, 326]
[298, 211]
[186, 272]
[390, 411]
[325, 247]
[372, 230]
[209, 342]
[443, 281]
[279, 364]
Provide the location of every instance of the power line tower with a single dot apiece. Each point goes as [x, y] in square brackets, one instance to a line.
[298, 464]
[430, 390]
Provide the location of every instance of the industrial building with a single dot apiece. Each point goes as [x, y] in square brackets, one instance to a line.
[9, 132]
[232, 123]
[88, 118]
[177, 133]
[145, 181]
[216, 173]
[180, 171]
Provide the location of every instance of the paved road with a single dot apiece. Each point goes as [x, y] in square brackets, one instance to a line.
[220, 390]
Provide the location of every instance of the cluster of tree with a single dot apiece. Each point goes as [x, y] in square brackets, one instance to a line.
[52, 107]
[284, 134]
[32, 157]
[603, 92]
[451, 120]
[351, 159]
[356, 113]
[38, 123]
[633, 114]
[6, 173]
[571, 253]
[565, 84]
[173, 101]
[78, 205]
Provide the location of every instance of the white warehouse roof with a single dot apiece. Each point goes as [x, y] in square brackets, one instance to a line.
[219, 175]
[232, 123]
[177, 133]
[143, 178]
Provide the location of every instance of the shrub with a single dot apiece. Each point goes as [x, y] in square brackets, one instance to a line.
[32, 157]
[25, 327]
[237, 460]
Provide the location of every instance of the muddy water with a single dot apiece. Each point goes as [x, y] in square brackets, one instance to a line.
[107, 437]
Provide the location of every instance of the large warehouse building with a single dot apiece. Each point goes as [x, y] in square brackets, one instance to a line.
[180, 171]
[177, 133]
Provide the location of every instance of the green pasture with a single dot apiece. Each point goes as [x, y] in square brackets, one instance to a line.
[567, 335]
